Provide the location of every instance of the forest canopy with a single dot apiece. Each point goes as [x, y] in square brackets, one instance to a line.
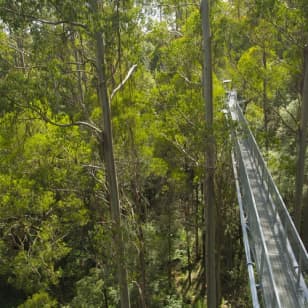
[102, 142]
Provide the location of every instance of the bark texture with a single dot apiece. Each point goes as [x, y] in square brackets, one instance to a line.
[302, 145]
[210, 159]
[111, 170]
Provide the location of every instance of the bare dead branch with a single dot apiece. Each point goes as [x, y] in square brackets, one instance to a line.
[289, 127]
[181, 149]
[77, 123]
[188, 81]
[122, 83]
[178, 33]
[10, 45]
[43, 117]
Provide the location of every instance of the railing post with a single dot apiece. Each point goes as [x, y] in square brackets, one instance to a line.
[286, 231]
[299, 268]
[276, 202]
[262, 173]
[274, 301]
[268, 187]
[262, 264]
[255, 157]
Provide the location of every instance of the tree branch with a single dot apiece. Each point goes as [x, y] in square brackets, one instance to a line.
[181, 149]
[188, 81]
[288, 36]
[44, 21]
[10, 45]
[289, 127]
[93, 166]
[121, 85]
[77, 123]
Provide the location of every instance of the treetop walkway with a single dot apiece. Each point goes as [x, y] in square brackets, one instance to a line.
[277, 260]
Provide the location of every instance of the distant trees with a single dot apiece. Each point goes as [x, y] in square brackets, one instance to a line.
[102, 141]
[271, 79]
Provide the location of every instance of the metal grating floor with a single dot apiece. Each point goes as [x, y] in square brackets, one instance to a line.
[280, 266]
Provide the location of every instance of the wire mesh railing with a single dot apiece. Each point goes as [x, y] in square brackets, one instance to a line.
[290, 242]
[249, 259]
[260, 252]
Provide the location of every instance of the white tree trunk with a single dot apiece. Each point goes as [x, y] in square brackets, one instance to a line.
[111, 170]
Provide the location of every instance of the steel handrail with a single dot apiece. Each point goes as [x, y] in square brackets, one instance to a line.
[249, 262]
[247, 247]
[275, 299]
[302, 256]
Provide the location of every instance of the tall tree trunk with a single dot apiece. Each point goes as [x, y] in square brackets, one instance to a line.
[302, 136]
[20, 48]
[142, 262]
[188, 203]
[219, 234]
[197, 255]
[210, 158]
[187, 238]
[141, 219]
[265, 107]
[80, 77]
[111, 170]
[169, 248]
[105, 297]
[203, 223]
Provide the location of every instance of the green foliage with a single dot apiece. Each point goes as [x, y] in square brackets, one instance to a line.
[173, 302]
[91, 292]
[55, 221]
[40, 299]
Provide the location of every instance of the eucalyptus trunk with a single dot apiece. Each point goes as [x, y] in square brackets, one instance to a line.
[108, 152]
[265, 101]
[210, 158]
[197, 254]
[302, 145]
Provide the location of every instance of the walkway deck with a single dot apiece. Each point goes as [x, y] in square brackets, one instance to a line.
[282, 279]
[268, 224]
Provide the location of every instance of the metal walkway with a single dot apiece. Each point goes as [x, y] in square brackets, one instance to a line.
[277, 260]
